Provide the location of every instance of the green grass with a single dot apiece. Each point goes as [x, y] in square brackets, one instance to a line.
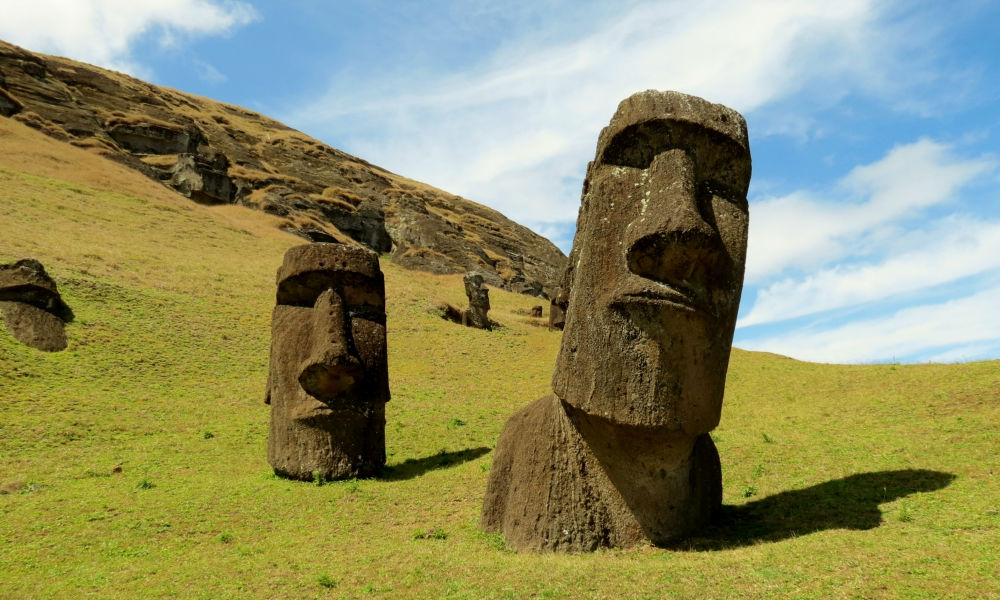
[143, 445]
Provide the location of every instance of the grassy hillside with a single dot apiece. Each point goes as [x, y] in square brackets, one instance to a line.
[142, 446]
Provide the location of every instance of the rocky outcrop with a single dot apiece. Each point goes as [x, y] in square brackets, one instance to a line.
[32, 308]
[144, 137]
[322, 194]
[204, 179]
[9, 105]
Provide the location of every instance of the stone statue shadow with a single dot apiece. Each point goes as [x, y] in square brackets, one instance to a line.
[848, 503]
[415, 467]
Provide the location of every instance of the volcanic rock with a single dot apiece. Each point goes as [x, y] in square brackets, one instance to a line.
[328, 376]
[620, 453]
[33, 311]
[175, 138]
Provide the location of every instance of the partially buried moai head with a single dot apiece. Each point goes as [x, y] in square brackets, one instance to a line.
[33, 310]
[657, 265]
[328, 377]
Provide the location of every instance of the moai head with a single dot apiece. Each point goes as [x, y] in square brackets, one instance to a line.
[479, 297]
[479, 301]
[657, 265]
[33, 310]
[328, 379]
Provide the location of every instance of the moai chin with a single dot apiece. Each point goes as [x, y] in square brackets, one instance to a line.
[328, 377]
[479, 301]
[620, 453]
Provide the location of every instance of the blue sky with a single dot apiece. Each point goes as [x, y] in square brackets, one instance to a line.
[875, 200]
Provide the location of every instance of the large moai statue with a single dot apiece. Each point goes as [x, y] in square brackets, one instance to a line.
[328, 378]
[479, 301]
[33, 310]
[620, 453]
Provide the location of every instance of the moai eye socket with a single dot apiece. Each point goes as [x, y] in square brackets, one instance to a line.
[362, 295]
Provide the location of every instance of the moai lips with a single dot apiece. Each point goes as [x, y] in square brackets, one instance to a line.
[328, 375]
[620, 453]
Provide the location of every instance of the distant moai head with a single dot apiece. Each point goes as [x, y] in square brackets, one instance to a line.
[328, 377]
[33, 310]
[479, 297]
[560, 301]
[479, 301]
[657, 265]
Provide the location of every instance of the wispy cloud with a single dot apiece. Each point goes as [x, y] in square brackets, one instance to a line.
[516, 131]
[971, 322]
[955, 249]
[104, 32]
[807, 229]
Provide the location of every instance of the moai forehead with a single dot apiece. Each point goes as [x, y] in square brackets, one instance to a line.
[311, 269]
[646, 121]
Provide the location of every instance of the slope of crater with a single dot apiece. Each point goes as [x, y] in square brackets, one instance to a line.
[217, 153]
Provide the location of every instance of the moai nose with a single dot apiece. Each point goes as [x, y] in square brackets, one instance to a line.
[671, 242]
[331, 370]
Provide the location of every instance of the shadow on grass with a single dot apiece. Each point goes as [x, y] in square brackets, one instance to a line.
[848, 503]
[415, 467]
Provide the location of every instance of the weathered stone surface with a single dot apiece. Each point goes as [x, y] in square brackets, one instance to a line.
[536, 311]
[479, 301]
[154, 138]
[204, 179]
[328, 377]
[9, 105]
[32, 308]
[620, 453]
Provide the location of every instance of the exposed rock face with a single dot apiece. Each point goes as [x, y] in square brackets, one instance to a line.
[144, 137]
[620, 453]
[328, 378]
[9, 105]
[32, 308]
[203, 179]
[322, 194]
[479, 301]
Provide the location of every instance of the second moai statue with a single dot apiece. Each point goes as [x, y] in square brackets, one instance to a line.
[479, 302]
[328, 378]
[620, 453]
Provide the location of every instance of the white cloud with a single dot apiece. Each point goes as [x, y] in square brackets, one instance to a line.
[744, 54]
[103, 32]
[968, 321]
[801, 231]
[208, 73]
[956, 249]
